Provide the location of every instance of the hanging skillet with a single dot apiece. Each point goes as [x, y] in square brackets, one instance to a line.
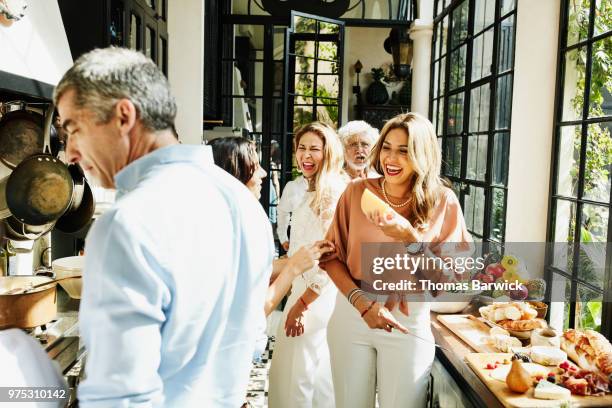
[21, 135]
[39, 190]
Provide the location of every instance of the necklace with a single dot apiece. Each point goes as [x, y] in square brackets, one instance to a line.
[387, 198]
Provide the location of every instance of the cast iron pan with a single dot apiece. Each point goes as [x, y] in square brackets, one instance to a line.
[39, 190]
[83, 206]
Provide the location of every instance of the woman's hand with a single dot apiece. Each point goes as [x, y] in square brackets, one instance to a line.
[379, 317]
[395, 226]
[294, 326]
[307, 256]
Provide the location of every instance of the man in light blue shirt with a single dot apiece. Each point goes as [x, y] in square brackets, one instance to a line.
[176, 272]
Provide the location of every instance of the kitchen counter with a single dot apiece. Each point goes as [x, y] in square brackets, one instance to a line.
[453, 360]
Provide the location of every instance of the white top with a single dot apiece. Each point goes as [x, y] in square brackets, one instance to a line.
[292, 197]
[26, 364]
[174, 285]
[307, 227]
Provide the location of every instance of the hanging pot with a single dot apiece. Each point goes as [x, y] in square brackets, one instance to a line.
[83, 206]
[21, 136]
[26, 310]
[18, 231]
[39, 190]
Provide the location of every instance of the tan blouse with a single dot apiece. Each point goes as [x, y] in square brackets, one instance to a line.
[350, 227]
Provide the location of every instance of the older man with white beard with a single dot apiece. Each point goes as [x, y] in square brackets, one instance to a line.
[358, 137]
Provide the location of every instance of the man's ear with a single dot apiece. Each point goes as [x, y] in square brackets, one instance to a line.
[126, 114]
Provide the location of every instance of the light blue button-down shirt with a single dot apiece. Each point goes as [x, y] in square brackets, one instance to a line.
[174, 286]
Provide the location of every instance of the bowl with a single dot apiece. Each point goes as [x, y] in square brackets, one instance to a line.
[451, 302]
[540, 307]
[66, 267]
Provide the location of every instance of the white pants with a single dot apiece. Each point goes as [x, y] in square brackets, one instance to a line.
[365, 359]
[300, 375]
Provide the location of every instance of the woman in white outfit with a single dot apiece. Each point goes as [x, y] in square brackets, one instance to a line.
[300, 376]
[364, 357]
[292, 197]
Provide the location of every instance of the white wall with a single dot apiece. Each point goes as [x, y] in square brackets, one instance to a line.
[532, 120]
[185, 59]
[366, 45]
[36, 46]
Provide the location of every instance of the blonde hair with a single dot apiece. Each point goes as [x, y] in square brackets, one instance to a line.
[425, 159]
[330, 174]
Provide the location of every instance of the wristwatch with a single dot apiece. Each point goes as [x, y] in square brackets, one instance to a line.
[415, 248]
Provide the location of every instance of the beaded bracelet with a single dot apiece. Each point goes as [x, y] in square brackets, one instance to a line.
[368, 309]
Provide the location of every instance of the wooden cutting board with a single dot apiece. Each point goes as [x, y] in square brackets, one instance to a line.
[478, 362]
[473, 333]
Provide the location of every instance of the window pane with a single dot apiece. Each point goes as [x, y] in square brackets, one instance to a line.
[503, 103]
[135, 40]
[477, 157]
[460, 24]
[573, 84]
[568, 161]
[443, 76]
[601, 77]
[560, 295]
[434, 114]
[592, 262]
[506, 45]
[457, 68]
[484, 15]
[441, 117]
[305, 48]
[474, 209]
[163, 51]
[565, 221]
[603, 23]
[578, 20]
[482, 57]
[598, 162]
[302, 115]
[116, 23]
[304, 25]
[455, 114]
[436, 83]
[150, 42]
[328, 50]
[452, 156]
[588, 309]
[327, 86]
[444, 36]
[594, 223]
[328, 28]
[479, 108]
[498, 214]
[501, 150]
[507, 6]
[304, 84]
[278, 43]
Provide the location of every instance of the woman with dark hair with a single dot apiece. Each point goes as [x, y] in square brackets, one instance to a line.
[238, 156]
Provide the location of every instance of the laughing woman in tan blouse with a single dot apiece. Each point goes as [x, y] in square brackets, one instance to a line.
[365, 358]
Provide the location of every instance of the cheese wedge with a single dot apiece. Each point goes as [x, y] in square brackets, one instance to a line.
[370, 202]
[548, 356]
[550, 391]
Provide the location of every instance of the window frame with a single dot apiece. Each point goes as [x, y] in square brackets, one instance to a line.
[579, 201]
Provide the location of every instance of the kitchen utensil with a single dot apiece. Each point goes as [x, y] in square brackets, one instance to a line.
[21, 135]
[67, 267]
[39, 190]
[83, 206]
[26, 310]
[28, 289]
[18, 231]
[427, 341]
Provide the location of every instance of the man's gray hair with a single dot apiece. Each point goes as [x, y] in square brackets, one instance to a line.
[358, 127]
[100, 78]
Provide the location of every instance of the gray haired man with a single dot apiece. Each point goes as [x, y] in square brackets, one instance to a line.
[176, 272]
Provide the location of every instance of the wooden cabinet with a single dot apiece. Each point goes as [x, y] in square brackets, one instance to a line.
[136, 24]
[378, 115]
[444, 391]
